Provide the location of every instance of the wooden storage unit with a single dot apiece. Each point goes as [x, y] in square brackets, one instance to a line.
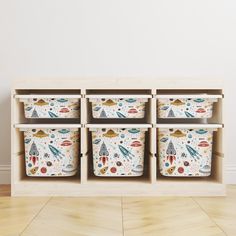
[85, 183]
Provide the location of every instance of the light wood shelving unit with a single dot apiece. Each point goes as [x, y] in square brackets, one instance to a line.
[85, 183]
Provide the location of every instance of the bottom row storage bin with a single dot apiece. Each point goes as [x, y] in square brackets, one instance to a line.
[118, 152]
[185, 152]
[51, 152]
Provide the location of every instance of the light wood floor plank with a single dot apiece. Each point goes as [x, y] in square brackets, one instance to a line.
[78, 216]
[166, 216]
[222, 210]
[17, 213]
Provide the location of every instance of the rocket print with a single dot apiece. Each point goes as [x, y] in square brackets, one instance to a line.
[118, 152]
[185, 152]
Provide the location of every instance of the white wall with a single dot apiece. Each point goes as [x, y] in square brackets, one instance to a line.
[163, 38]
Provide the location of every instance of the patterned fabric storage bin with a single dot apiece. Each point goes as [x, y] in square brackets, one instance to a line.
[185, 106]
[118, 107]
[51, 106]
[51, 152]
[185, 152]
[118, 152]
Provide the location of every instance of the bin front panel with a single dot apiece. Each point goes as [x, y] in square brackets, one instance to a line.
[52, 108]
[118, 152]
[185, 152]
[185, 108]
[51, 152]
[118, 108]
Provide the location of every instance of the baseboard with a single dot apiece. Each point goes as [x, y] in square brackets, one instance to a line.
[5, 174]
[230, 174]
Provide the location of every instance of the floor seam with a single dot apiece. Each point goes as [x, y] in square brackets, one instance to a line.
[122, 215]
[40, 210]
[196, 202]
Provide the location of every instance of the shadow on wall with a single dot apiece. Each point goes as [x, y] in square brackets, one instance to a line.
[5, 134]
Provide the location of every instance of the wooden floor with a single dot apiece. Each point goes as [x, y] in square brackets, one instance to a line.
[130, 216]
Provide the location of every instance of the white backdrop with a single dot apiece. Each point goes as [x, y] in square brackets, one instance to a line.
[162, 38]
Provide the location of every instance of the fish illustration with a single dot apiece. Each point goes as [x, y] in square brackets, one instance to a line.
[133, 131]
[56, 153]
[34, 170]
[51, 114]
[177, 102]
[178, 134]
[40, 134]
[125, 152]
[109, 102]
[171, 170]
[199, 100]
[104, 170]
[33, 150]
[103, 150]
[41, 102]
[171, 114]
[103, 114]
[201, 131]
[189, 115]
[193, 152]
[120, 115]
[110, 134]
[62, 100]
[130, 100]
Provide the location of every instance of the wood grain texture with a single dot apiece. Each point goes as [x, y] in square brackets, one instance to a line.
[118, 216]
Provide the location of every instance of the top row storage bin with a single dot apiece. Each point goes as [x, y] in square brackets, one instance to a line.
[186, 106]
[51, 106]
[118, 106]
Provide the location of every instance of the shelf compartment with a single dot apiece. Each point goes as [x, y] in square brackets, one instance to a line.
[91, 177]
[216, 157]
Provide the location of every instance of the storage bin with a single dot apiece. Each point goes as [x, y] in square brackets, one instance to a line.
[51, 152]
[185, 152]
[118, 152]
[51, 107]
[185, 106]
[119, 107]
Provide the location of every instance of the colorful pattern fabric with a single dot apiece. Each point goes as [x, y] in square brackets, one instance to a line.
[185, 108]
[52, 108]
[51, 152]
[118, 108]
[118, 152]
[185, 152]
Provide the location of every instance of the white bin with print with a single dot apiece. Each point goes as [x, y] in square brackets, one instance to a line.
[51, 152]
[118, 152]
[51, 106]
[186, 106]
[185, 152]
[118, 106]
